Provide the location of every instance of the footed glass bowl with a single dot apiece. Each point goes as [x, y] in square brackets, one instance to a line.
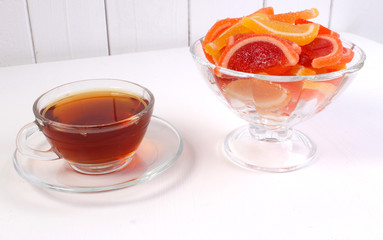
[273, 105]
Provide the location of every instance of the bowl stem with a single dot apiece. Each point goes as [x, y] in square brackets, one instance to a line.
[262, 133]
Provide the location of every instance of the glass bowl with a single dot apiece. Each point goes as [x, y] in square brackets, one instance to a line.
[273, 105]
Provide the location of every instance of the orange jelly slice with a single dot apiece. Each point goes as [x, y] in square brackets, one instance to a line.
[215, 31]
[266, 10]
[332, 68]
[299, 70]
[347, 55]
[300, 34]
[326, 50]
[213, 48]
[291, 17]
[322, 29]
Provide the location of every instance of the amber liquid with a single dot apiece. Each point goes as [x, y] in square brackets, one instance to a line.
[101, 131]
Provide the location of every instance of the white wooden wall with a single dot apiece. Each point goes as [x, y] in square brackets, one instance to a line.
[34, 31]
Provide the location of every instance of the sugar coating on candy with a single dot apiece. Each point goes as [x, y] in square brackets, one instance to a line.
[291, 17]
[256, 57]
[322, 29]
[347, 56]
[300, 34]
[310, 45]
[304, 60]
[318, 48]
[326, 50]
[220, 42]
[214, 32]
[258, 52]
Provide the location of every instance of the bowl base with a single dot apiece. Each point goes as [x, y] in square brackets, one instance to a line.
[247, 151]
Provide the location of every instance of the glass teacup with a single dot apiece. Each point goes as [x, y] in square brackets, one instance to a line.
[95, 125]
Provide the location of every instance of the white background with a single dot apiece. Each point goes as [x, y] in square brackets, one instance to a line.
[35, 31]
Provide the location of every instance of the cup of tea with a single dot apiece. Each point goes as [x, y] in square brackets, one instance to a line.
[95, 125]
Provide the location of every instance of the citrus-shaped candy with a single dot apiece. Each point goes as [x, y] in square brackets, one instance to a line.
[213, 48]
[231, 40]
[347, 55]
[291, 17]
[304, 60]
[218, 28]
[322, 86]
[215, 31]
[265, 10]
[295, 46]
[300, 34]
[332, 68]
[300, 70]
[322, 30]
[321, 91]
[264, 95]
[326, 50]
[254, 53]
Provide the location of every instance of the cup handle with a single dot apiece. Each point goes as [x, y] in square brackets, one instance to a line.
[23, 147]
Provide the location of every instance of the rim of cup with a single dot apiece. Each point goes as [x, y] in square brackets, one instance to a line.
[43, 119]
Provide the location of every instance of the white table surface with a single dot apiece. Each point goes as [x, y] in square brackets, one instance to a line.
[203, 195]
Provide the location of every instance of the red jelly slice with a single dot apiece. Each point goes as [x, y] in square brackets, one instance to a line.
[326, 50]
[254, 53]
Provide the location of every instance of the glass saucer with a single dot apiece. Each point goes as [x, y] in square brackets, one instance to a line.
[160, 148]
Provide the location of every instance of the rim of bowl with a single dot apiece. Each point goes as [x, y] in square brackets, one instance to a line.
[275, 78]
[132, 119]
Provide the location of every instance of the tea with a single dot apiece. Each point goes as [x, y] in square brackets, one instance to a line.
[96, 127]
